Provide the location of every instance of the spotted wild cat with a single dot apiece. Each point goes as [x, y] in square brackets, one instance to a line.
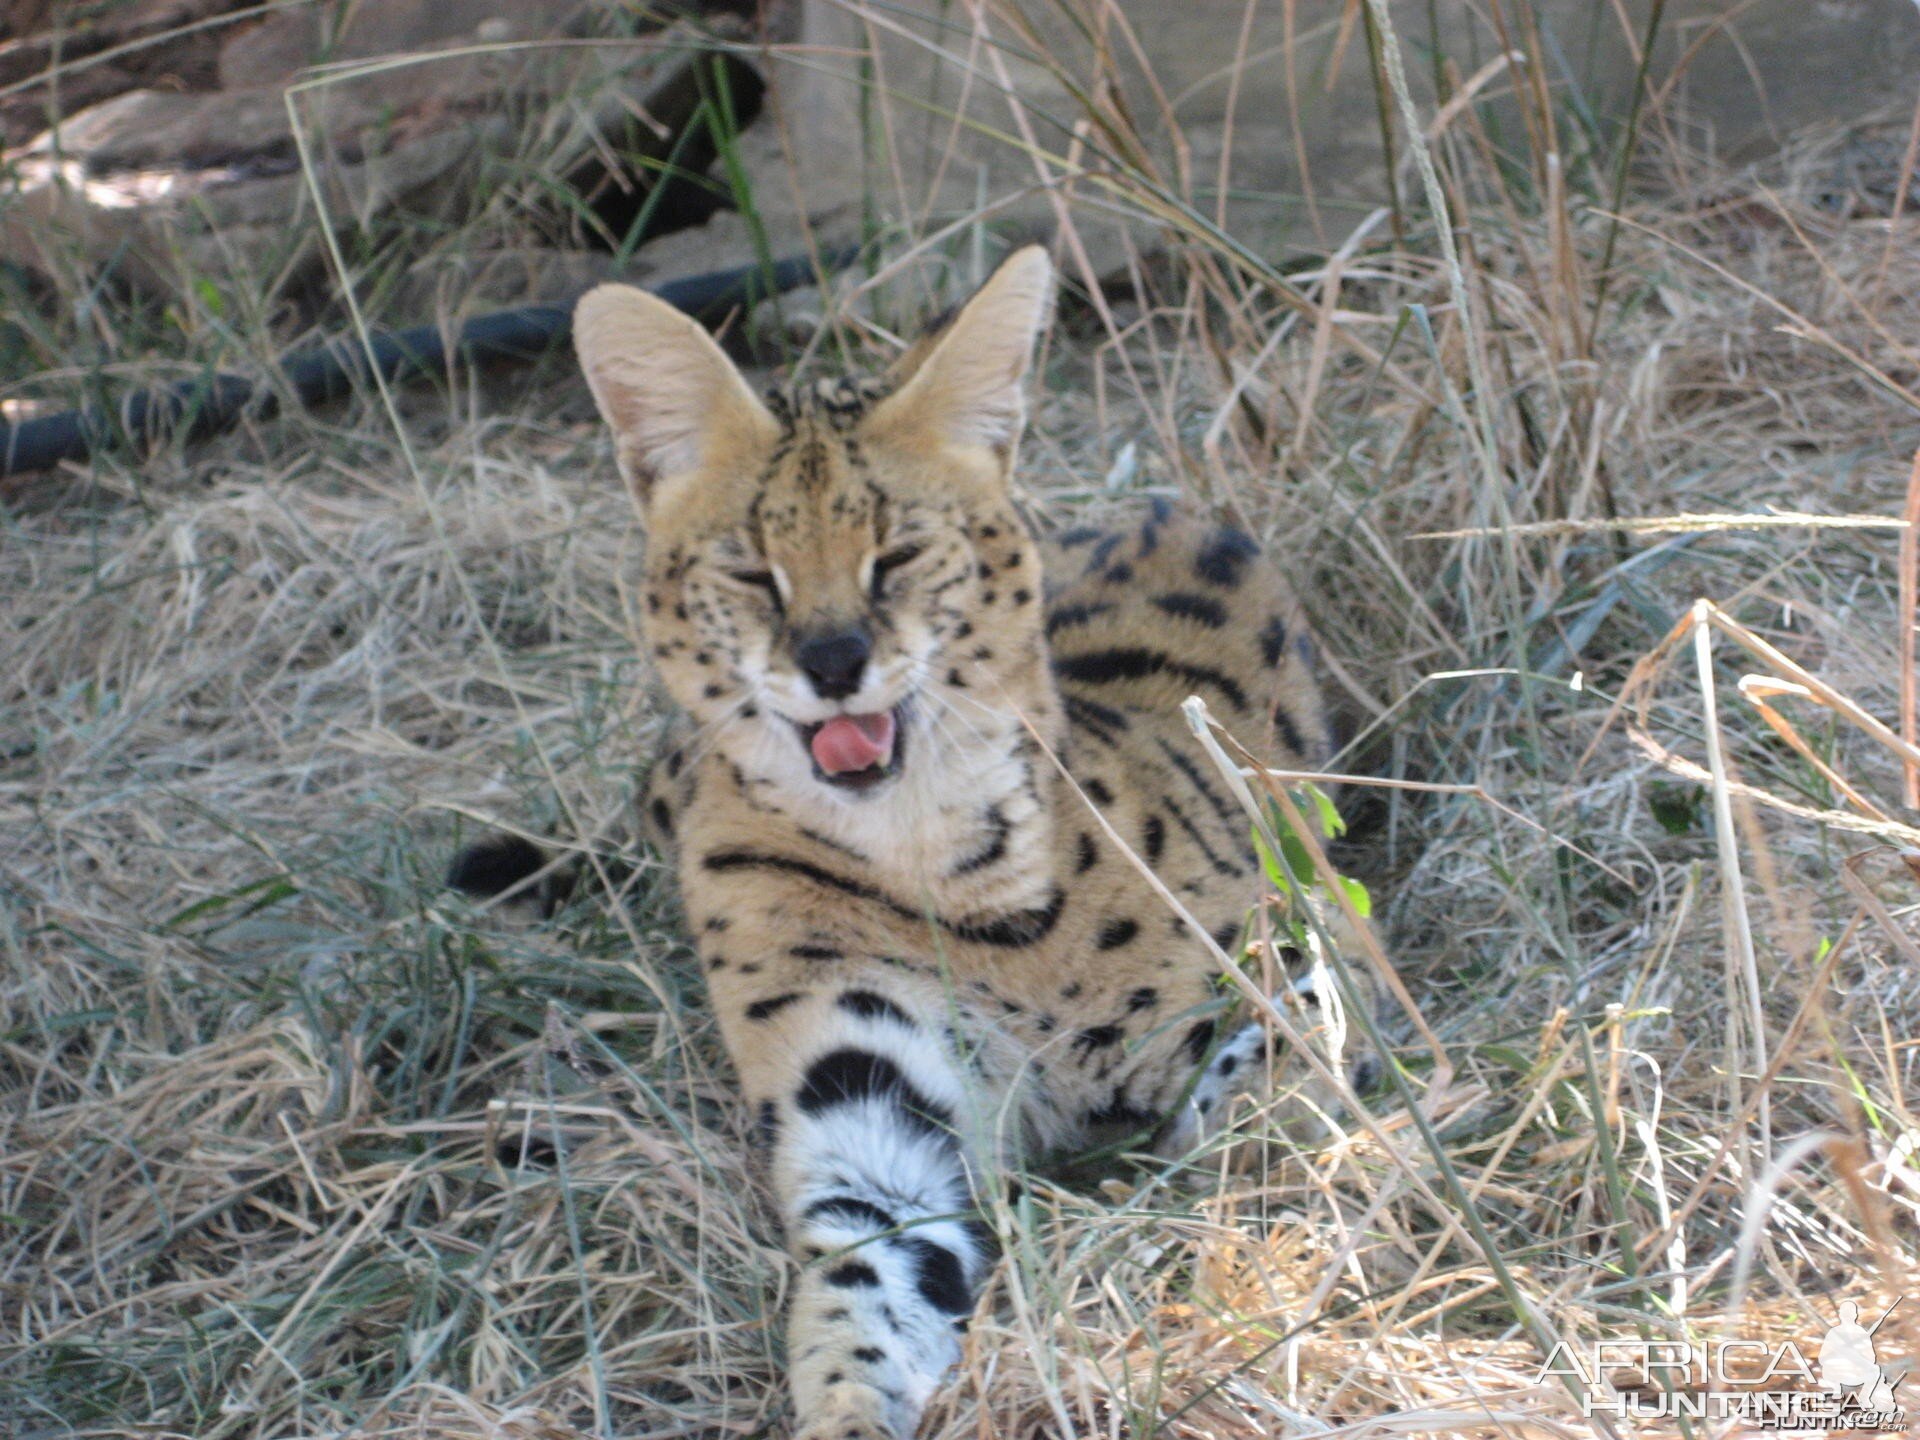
[925, 954]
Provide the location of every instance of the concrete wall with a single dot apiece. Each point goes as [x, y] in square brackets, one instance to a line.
[1754, 75]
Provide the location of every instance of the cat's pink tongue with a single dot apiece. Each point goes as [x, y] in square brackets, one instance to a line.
[848, 743]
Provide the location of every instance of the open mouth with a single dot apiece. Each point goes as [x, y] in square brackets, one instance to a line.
[856, 752]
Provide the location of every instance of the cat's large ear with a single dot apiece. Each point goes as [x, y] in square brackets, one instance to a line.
[967, 384]
[674, 401]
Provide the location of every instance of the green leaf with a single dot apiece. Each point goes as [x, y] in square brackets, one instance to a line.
[1677, 807]
[1332, 824]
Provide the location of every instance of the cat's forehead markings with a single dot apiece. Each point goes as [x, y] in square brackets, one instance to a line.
[816, 421]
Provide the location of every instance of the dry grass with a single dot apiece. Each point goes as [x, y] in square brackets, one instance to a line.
[296, 1144]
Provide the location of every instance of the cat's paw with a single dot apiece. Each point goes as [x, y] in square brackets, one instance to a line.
[848, 1412]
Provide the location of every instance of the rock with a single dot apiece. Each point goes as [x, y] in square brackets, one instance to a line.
[277, 48]
[159, 44]
[173, 188]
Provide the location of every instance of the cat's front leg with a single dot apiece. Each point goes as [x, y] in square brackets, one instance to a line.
[858, 1113]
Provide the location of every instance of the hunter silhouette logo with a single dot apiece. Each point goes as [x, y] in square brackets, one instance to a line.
[1849, 1366]
[1846, 1383]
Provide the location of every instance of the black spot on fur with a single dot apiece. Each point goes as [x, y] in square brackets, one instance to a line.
[1201, 608]
[850, 1207]
[1287, 730]
[1116, 933]
[766, 1009]
[1145, 998]
[1120, 574]
[869, 1354]
[495, 865]
[938, 1275]
[847, 1075]
[1099, 1037]
[1087, 855]
[814, 952]
[1228, 1064]
[662, 816]
[1222, 559]
[1198, 1040]
[766, 1126]
[854, 1275]
[870, 1005]
[1078, 536]
[1153, 837]
[1070, 992]
[1098, 792]
[1227, 936]
[1273, 640]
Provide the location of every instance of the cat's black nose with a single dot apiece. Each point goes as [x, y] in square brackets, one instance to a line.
[834, 661]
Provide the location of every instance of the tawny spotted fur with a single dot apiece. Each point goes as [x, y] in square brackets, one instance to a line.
[924, 953]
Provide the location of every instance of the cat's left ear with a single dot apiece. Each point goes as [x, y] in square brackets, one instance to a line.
[674, 401]
[970, 387]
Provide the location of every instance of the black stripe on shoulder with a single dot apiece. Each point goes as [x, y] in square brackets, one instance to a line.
[1012, 931]
[1067, 616]
[1089, 717]
[1225, 808]
[1203, 609]
[1136, 662]
[1018, 928]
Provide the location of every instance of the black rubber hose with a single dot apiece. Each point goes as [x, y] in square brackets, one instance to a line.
[194, 409]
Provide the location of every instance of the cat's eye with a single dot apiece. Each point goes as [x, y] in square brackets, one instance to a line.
[760, 580]
[886, 564]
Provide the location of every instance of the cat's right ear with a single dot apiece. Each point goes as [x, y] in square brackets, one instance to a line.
[674, 401]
